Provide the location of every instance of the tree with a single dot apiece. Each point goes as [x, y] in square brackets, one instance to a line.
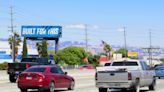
[93, 59]
[44, 49]
[14, 42]
[122, 51]
[71, 55]
[24, 52]
[162, 59]
[39, 48]
[107, 48]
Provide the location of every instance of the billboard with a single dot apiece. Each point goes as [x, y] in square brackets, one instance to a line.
[41, 32]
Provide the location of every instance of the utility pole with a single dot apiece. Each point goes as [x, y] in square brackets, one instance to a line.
[150, 48]
[125, 42]
[13, 35]
[86, 37]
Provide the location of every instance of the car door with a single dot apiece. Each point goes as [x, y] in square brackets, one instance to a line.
[57, 77]
[149, 73]
[144, 76]
[64, 78]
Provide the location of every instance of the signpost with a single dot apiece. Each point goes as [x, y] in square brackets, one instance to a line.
[42, 33]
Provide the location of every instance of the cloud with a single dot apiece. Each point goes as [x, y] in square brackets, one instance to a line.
[81, 26]
[75, 26]
[122, 29]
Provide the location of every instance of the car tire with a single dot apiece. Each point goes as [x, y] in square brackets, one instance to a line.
[51, 87]
[72, 85]
[12, 78]
[136, 87]
[23, 90]
[103, 89]
[153, 85]
[159, 77]
[124, 90]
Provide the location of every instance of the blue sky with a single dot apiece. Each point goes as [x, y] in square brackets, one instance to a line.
[103, 17]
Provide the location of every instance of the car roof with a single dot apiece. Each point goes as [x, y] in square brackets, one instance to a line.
[131, 60]
[160, 66]
[45, 66]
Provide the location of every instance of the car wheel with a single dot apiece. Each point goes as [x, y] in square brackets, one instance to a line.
[153, 85]
[124, 90]
[12, 78]
[159, 77]
[136, 87]
[72, 85]
[23, 90]
[103, 89]
[51, 87]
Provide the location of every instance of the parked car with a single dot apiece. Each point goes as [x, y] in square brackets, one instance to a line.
[125, 74]
[159, 71]
[86, 67]
[45, 78]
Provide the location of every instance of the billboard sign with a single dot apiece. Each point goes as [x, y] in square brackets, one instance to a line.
[41, 32]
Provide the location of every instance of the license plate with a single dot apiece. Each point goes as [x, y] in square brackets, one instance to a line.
[115, 85]
[28, 78]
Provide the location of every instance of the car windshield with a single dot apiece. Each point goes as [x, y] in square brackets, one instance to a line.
[126, 63]
[36, 70]
[29, 60]
[159, 68]
[107, 64]
[85, 66]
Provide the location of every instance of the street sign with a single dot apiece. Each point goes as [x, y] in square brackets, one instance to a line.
[41, 32]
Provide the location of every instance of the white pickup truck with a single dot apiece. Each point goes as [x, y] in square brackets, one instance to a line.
[126, 75]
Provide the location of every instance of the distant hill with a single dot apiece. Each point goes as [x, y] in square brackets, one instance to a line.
[93, 48]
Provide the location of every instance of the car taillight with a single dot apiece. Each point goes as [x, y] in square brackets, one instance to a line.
[27, 66]
[19, 77]
[129, 76]
[96, 76]
[41, 78]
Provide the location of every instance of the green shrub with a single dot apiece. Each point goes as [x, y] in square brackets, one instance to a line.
[3, 66]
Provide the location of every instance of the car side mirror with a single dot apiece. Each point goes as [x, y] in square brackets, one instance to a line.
[65, 73]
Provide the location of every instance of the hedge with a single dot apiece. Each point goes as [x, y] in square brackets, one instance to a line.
[3, 66]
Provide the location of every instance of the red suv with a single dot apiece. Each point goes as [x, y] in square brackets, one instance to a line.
[45, 78]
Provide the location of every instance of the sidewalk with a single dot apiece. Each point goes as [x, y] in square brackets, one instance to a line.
[3, 75]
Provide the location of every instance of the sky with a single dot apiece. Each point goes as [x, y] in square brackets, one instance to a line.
[103, 18]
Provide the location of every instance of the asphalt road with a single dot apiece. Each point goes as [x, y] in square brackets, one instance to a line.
[84, 83]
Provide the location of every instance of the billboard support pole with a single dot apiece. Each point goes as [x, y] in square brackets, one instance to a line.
[56, 44]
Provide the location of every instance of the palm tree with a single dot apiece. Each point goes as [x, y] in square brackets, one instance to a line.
[107, 48]
[42, 48]
[14, 42]
[39, 48]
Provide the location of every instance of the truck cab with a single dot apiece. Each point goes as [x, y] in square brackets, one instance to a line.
[14, 69]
